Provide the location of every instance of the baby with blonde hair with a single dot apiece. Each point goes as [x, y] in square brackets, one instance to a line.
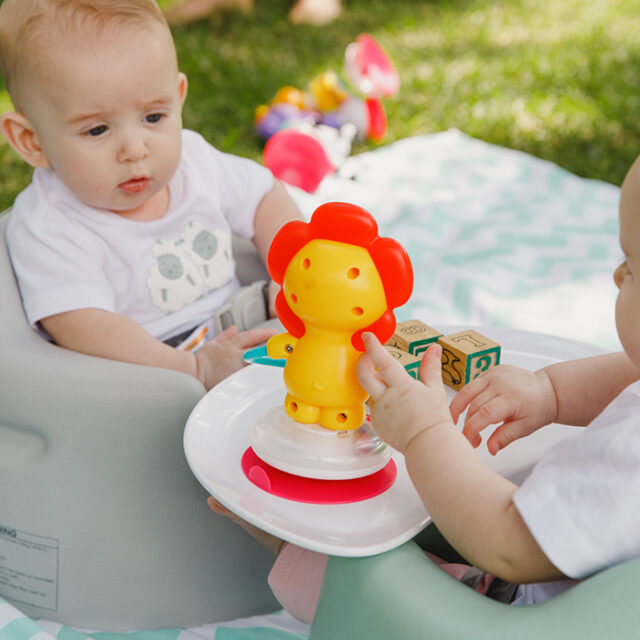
[121, 244]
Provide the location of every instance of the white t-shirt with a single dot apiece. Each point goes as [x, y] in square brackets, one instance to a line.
[169, 275]
[581, 501]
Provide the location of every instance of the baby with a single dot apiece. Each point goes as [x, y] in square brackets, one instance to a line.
[576, 514]
[122, 242]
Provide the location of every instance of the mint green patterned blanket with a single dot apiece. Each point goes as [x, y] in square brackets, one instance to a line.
[496, 237]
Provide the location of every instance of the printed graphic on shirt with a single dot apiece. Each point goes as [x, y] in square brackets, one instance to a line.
[188, 267]
[211, 252]
[174, 280]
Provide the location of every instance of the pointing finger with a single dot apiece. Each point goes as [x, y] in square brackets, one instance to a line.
[431, 366]
[389, 369]
[253, 337]
[369, 378]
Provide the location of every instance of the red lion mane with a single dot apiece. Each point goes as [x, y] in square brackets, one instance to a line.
[350, 224]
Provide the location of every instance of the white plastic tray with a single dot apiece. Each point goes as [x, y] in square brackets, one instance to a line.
[219, 431]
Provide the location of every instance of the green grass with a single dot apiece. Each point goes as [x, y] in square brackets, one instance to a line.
[559, 79]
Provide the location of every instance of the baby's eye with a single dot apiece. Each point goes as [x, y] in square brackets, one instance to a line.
[152, 118]
[97, 131]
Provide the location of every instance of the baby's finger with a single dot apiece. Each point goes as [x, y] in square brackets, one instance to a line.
[493, 411]
[217, 507]
[431, 366]
[466, 395]
[369, 378]
[390, 370]
[505, 434]
[253, 337]
[227, 334]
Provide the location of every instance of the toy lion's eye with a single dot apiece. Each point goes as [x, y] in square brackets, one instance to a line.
[353, 273]
[306, 264]
[357, 311]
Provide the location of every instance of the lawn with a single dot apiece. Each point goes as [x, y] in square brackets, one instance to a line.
[559, 79]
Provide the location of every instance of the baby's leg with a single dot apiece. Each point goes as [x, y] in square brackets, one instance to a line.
[185, 11]
[316, 12]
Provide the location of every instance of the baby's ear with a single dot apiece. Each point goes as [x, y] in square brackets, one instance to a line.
[21, 135]
[183, 85]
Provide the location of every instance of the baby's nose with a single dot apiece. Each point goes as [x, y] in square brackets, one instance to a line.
[618, 276]
[133, 149]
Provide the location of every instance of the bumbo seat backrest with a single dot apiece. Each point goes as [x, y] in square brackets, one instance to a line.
[102, 524]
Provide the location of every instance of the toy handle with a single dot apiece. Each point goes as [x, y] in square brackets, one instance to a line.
[258, 355]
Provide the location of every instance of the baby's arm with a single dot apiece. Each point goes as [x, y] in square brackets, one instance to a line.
[470, 504]
[572, 392]
[110, 335]
[275, 209]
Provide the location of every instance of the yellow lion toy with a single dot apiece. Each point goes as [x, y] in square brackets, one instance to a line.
[339, 278]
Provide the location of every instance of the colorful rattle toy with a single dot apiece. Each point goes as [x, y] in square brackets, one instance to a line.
[339, 278]
[310, 133]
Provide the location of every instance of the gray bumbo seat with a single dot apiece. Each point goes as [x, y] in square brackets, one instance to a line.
[102, 524]
[402, 595]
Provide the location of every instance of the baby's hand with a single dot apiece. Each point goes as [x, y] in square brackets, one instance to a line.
[521, 400]
[272, 292]
[272, 543]
[222, 356]
[402, 407]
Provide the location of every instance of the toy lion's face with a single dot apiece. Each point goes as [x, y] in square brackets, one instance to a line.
[334, 285]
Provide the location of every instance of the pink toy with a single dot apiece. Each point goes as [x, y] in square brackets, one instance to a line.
[327, 105]
[370, 69]
[298, 159]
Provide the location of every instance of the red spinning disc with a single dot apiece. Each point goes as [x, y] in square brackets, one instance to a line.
[313, 490]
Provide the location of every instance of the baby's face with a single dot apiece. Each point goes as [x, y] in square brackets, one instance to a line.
[109, 118]
[627, 275]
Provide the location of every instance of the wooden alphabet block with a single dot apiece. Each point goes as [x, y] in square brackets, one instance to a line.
[413, 336]
[465, 355]
[409, 362]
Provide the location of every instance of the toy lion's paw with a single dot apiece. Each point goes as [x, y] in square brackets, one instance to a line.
[301, 411]
[281, 345]
[342, 419]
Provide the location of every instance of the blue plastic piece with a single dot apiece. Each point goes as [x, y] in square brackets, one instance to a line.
[258, 355]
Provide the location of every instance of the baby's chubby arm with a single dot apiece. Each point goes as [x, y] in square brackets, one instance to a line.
[572, 392]
[470, 504]
[275, 209]
[110, 335]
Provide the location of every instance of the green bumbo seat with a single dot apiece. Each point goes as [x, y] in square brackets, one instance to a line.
[402, 595]
[102, 524]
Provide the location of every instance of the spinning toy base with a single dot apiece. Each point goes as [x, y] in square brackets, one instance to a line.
[312, 451]
[308, 463]
[315, 490]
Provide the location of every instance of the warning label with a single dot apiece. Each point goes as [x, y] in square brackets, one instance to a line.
[28, 568]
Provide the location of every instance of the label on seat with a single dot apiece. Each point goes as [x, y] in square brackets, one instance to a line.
[28, 568]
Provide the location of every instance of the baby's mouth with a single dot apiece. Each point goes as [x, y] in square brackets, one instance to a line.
[135, 185]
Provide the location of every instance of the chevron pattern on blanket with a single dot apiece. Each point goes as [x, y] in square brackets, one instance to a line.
[496, 236]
